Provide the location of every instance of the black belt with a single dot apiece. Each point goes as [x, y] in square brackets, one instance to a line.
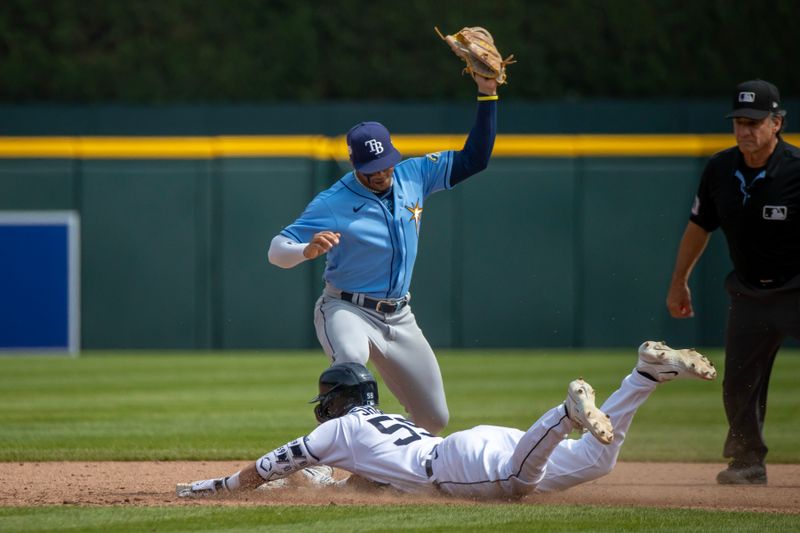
[382, 306]
[429, 461]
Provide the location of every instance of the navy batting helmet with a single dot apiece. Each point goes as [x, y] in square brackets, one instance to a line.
[348, 385]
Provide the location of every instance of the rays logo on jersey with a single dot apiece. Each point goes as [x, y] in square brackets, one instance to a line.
[434, 156]
[416, 214]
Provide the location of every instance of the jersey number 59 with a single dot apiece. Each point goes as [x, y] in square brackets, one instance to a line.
[399, 424]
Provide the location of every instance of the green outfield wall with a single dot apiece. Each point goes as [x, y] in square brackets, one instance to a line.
[567, 239]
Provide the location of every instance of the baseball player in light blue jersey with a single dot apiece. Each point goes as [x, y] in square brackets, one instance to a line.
[368, 223]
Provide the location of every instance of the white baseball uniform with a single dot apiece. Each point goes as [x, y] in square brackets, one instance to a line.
[485, 461]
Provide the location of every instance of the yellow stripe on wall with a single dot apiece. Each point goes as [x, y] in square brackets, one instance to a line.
[321, 147]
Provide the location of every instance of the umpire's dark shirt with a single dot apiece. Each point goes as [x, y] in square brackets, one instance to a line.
[760, 217]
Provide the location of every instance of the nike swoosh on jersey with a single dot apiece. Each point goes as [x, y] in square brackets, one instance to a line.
[357, 209]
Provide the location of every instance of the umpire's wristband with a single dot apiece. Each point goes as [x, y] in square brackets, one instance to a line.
[487, 98]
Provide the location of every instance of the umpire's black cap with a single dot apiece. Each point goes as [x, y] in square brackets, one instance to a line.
[371, 149]
[756, 99]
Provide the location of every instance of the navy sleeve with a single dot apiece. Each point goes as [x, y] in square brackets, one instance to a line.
[475, 155]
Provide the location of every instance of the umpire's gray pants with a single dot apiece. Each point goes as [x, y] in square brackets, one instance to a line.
[397, 348]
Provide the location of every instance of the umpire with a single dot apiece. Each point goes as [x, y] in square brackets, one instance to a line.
[752, 191]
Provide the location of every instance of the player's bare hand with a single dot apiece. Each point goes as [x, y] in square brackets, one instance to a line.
[321, 243]
[679, 301]
[485, 85]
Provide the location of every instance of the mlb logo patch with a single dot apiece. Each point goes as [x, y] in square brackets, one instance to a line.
[748, 97]
[775, 212]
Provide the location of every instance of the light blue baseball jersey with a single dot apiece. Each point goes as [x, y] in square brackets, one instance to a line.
[377, 249]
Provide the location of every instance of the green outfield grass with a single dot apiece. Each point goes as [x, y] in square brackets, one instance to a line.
[353, 518]
[234, 406]
[195, 406]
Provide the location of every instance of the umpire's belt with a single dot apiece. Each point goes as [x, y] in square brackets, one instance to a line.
[382, 306]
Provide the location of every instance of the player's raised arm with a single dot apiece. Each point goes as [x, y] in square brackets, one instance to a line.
[477, 151]
[475, 46]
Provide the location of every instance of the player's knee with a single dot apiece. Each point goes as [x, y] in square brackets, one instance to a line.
[434, 422]
[520, 488]
[604, 469]
[601, 468]
[350, 354]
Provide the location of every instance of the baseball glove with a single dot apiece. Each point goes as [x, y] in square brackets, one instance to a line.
[475, 46]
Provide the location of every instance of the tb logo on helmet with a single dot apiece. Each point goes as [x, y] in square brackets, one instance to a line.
[375, 146]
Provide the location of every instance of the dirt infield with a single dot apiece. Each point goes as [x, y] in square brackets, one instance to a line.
[153, 483]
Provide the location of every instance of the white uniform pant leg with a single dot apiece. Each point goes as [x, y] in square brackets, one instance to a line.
[585, 459]
[531, 457]
[498, 462]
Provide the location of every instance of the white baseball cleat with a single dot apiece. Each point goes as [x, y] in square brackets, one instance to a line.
[663, 363]
[585, 414]
[200, 489]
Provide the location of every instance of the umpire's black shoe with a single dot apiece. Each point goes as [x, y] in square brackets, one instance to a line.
[743, 475]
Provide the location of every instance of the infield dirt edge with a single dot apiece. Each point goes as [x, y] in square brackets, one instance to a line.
[152, 483]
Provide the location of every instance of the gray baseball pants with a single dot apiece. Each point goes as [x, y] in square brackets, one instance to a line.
[395, 345]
